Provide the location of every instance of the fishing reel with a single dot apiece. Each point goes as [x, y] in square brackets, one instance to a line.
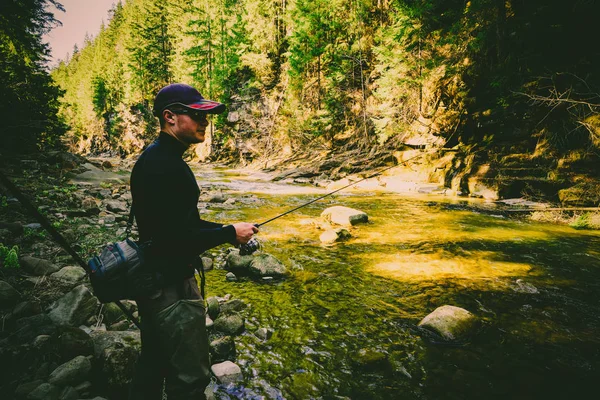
[250, 247]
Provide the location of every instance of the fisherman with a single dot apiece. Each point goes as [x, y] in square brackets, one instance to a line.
[165, 196]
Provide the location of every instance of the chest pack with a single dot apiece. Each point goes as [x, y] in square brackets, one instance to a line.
[121, 270]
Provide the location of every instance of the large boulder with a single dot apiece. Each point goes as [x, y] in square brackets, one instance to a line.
[8, 295]
[72, 372]
[236, 262]
[450, 322]
[227, 372]
[37, 266]
[74, 308]
[344, 216]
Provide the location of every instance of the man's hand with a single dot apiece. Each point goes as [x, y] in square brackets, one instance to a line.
[244, 232]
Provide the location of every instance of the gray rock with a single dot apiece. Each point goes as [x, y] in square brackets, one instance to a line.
[230, 277]
[118, 365]
[71, 342]
[214, 308]
[14, 227]
[89, 203]
[112, 313]
[8, 294]
[233, 306]
[84, 388]
[236, 262]
[33, 226]
[69, 274]
[5, 235]
[344, 215]
[25, 388]
[207, 263]
[27, 328]
[450, 322]
[266, 265]
[26, 309]
[45, 391]
[222, 349]
[69, 393]
[105, 339]
[37, 266]
[229, 324]
[227, 372]
[72, 372]
[264, 333]
[216, 198]
[334, 235]
[41, 342]
[116, 206]
[74, 308]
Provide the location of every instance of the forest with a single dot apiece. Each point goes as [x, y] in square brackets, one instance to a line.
[495, 77]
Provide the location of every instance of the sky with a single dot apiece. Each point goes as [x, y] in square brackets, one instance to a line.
[81, 16]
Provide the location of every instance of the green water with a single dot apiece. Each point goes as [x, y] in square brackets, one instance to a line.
[345, 322]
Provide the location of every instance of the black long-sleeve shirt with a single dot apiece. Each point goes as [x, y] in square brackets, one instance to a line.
[165, 200]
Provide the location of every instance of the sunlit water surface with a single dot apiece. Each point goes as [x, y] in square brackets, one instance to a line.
[345, 322]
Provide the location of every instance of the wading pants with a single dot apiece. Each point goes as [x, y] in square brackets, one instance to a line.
[175, 345]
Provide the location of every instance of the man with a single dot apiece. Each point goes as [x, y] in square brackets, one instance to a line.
[165, 197]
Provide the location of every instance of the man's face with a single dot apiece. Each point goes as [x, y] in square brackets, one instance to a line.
[190, 126]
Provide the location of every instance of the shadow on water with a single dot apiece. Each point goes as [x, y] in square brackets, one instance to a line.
[345, 322]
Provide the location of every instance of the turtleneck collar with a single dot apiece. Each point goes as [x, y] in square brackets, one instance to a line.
[172, 144]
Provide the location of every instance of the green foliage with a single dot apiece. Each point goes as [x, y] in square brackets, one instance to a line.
[582, 221]
[10, 258]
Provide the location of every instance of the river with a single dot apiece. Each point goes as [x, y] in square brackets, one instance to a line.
[345, 322]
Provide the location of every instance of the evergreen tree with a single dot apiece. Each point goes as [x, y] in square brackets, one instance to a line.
[29, 97]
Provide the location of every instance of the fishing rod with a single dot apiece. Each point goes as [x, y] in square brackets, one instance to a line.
[254, 244]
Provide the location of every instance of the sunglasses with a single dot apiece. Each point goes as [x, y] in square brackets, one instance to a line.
[196, 115]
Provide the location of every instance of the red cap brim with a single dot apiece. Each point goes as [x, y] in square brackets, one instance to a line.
[209, 106]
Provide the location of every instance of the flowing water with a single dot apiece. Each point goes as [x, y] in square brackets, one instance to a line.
[345, 322]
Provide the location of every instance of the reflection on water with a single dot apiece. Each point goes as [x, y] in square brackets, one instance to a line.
[345, 322]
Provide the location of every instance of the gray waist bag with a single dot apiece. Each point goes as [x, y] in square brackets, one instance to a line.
[120, 272]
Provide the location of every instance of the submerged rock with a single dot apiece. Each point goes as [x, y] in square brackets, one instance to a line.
[450, 322]
[344, 215]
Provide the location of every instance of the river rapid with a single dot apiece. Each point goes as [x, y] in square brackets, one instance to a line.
[345, 321]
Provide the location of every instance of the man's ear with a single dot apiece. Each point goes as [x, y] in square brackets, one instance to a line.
[169, 116]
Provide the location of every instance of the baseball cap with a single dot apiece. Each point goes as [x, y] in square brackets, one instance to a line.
[187, 96]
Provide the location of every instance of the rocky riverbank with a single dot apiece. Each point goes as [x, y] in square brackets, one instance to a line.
[60, 342]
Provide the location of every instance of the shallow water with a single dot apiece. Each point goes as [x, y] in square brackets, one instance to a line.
[345, 322]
